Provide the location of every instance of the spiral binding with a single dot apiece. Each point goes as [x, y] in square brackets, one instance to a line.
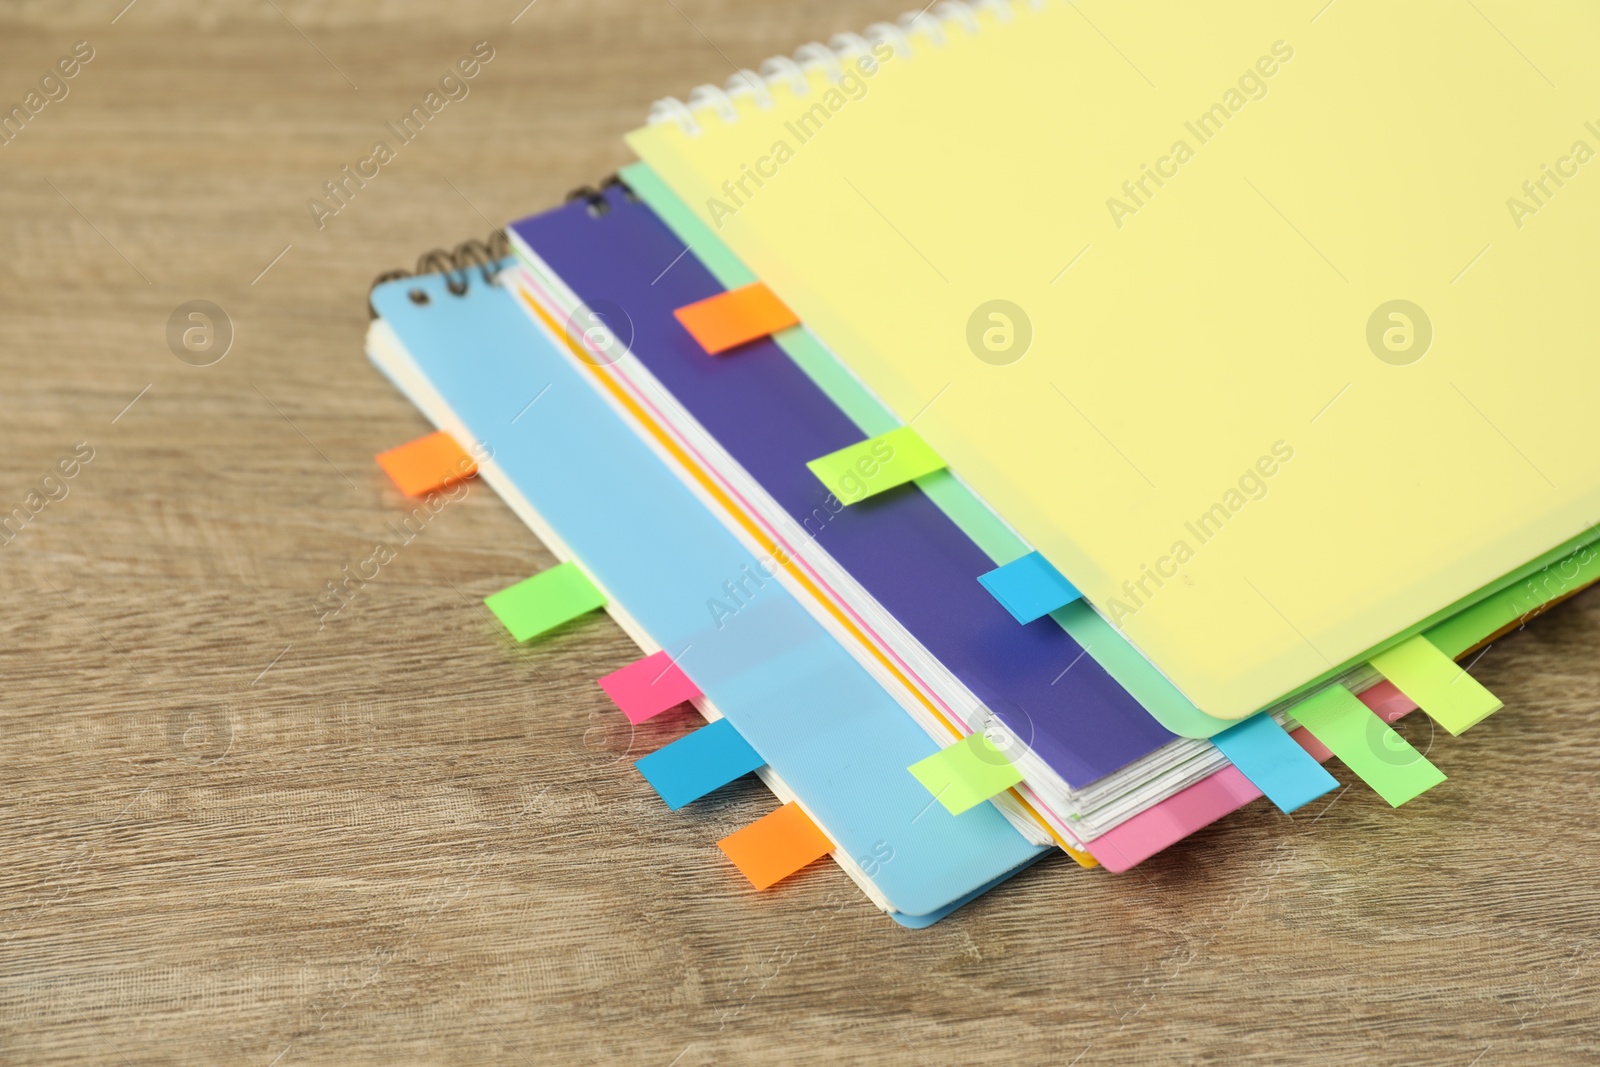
[456, 265]
[932, 23]
[596, 197]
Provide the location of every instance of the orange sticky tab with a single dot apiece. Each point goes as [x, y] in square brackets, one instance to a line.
[426, 464]
[736, 317]
[775, 846]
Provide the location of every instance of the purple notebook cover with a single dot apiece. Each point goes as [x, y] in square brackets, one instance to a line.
[769, 415]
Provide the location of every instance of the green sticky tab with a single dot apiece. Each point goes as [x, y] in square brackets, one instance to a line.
[966, 774]
[1440, 686]
[545, 601]
[876, 464]
[1379, 756]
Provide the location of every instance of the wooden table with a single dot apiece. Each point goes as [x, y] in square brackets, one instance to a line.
[234, 832]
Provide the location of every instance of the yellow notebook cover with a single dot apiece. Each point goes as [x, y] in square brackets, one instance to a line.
[1269, 324]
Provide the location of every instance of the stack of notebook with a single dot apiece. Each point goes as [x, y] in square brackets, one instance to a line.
[1038, 427]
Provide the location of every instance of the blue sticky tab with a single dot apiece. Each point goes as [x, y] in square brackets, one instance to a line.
[1266, 754]
[1029, 587]
[698, 763]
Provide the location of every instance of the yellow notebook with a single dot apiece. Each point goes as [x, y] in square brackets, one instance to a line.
[1271, 327]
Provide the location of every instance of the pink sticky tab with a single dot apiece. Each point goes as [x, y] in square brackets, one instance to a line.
[1387, 701]
[648, 687]
[1136, 840]
[1314, 748]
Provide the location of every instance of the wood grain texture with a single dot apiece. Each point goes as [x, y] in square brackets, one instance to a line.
[232, 834]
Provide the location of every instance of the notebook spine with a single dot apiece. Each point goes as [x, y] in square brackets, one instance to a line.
[932, 25]
[456, 264]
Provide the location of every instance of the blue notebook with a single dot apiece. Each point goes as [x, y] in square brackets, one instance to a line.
[480, 369]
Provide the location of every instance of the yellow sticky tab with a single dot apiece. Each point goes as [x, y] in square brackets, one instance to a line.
[966, 774]
[876, 464]
[1440, 686]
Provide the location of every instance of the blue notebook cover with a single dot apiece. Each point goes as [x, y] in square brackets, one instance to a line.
[829, 731]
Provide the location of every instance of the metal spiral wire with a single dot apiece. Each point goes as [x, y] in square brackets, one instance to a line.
[455, 264]
[596, 197]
